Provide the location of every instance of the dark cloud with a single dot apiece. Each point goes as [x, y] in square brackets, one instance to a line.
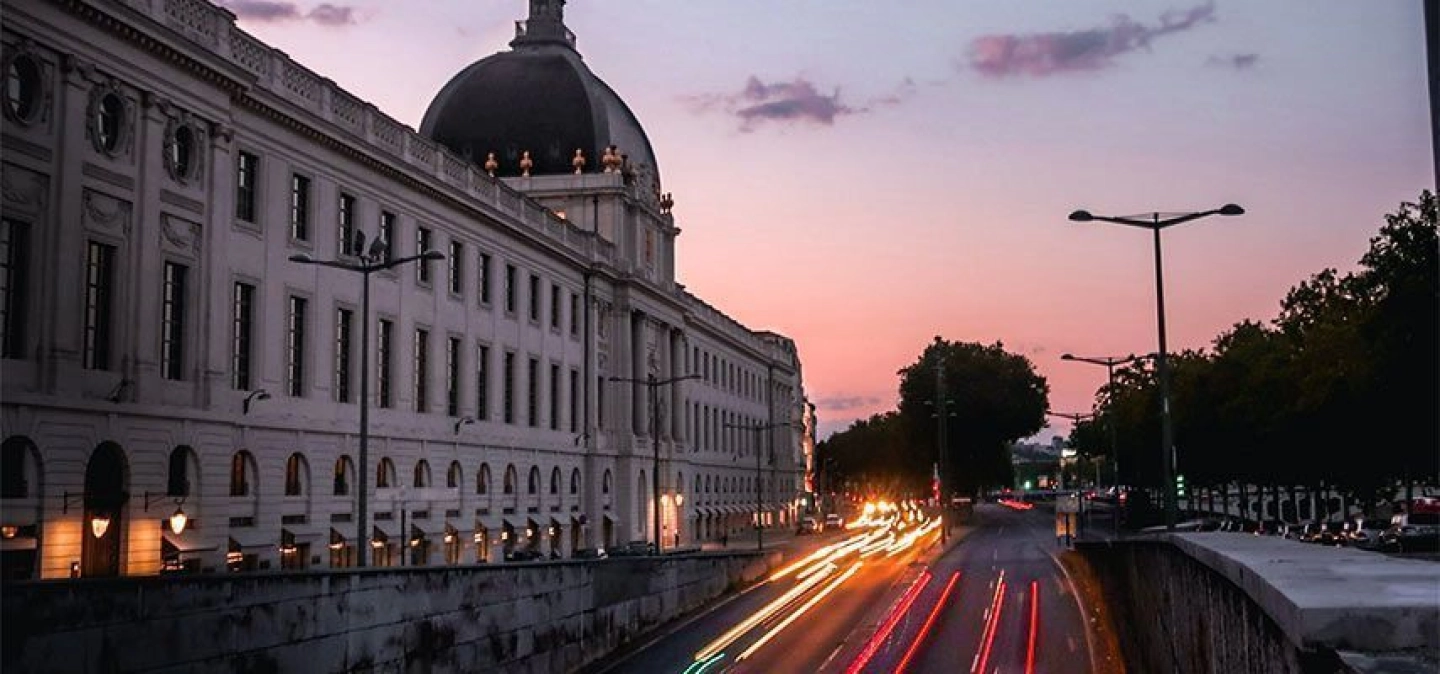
[1233, 61]
[796, 101]
[848, 402]
[325, 14]
[1060, 53]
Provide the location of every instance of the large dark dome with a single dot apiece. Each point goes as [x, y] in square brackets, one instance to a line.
[539, 97]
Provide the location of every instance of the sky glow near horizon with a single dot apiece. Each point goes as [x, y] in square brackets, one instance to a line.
[863, 176]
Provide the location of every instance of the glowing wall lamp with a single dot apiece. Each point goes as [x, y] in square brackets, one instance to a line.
[178, 520]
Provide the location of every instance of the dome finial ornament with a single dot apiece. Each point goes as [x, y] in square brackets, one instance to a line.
[611, 159]
[579, 161]
[526, 163]
[491, 164]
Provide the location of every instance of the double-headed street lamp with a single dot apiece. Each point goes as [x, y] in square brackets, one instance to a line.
[1109, 362]
[653, 384]
[368, 262]
[1156, 222]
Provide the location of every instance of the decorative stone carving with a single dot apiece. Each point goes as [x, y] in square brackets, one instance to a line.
[105, 213]
[526, 163]
[667, 202]
[579, 161]
[491, 165]
[179, 235]
[24, 190]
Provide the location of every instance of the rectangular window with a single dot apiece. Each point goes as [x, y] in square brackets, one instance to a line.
[483, 280]
[457, 271]
[384, 366]
[247, 173]
[14, 287]
[387, 234]
[422, 373]
[482, 382]
[242, 318]
[532, 393]
[452, 377]
[172, 322]
[600, 403]
[555, 307]
[509, 384]
[422, 244]
[534, 298]
[554, 397]
[99, 305]
[295, 346]
[510, 288]
[299, 207]
[345, 230]
[344, 345]
[574, 314]
[574, 401]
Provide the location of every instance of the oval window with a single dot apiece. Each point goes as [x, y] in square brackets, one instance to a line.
[110, 114]
[22, 87]
[182, 150]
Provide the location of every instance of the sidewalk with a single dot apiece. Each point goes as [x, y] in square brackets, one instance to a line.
[773, 538]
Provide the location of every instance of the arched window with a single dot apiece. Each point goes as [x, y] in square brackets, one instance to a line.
[343, 469]
[575, 482]
[179, 482]
[241, 466]
[532, 484]
[482, 481]
[555, 480]
[605, 482]
[510, 479]
[294, 475]
[453, 476]
[422, 474]
[16, 457]
[679, 481]
[384, 474]
[698, 484]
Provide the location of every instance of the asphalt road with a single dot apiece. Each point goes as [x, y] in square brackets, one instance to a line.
[835, 623]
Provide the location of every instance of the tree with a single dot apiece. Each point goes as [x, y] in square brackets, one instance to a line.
[991, 399]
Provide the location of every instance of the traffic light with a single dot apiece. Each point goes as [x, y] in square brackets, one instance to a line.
[1179, 486]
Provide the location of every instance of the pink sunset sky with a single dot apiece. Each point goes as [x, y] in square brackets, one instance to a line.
[863, 176]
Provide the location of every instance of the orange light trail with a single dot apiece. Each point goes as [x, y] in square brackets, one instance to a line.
[1034, 626]
[929, 621]
[888, 625]
[998, 605]
[798, 612]
[760, 616]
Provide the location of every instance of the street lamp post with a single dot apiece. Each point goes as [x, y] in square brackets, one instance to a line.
[653, 385]
[1109, 362]
[1156, 222]
[367, 263]
[759, 475]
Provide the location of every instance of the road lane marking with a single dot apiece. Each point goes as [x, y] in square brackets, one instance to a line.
[1084, 615]
[901, 607]
[992, 623]
[798, 612]
[760, 616]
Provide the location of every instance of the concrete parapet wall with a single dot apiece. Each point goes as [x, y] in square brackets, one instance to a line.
[545, 617]
[1222, 602]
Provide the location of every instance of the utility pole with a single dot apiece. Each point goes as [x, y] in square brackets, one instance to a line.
[942, 416]
[759, 471]
[654, 385]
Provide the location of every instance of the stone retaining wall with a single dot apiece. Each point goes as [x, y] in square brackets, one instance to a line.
[544, 617]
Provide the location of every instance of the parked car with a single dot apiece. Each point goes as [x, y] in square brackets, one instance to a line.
[1364, 533]
[1412, 532]
[589, 553]
[633, 549]
[834, 521]
[808, 525]
[1332, 533]
[524, 555]
[1308, 533]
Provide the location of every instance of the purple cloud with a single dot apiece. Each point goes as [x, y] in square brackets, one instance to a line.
[796, 101]
[1059, 53]
[267, 11]
[1234, 61]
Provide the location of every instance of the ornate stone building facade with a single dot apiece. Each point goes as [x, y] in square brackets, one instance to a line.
[164, 356]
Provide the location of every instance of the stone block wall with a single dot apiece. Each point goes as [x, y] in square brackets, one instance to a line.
[545, 617]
